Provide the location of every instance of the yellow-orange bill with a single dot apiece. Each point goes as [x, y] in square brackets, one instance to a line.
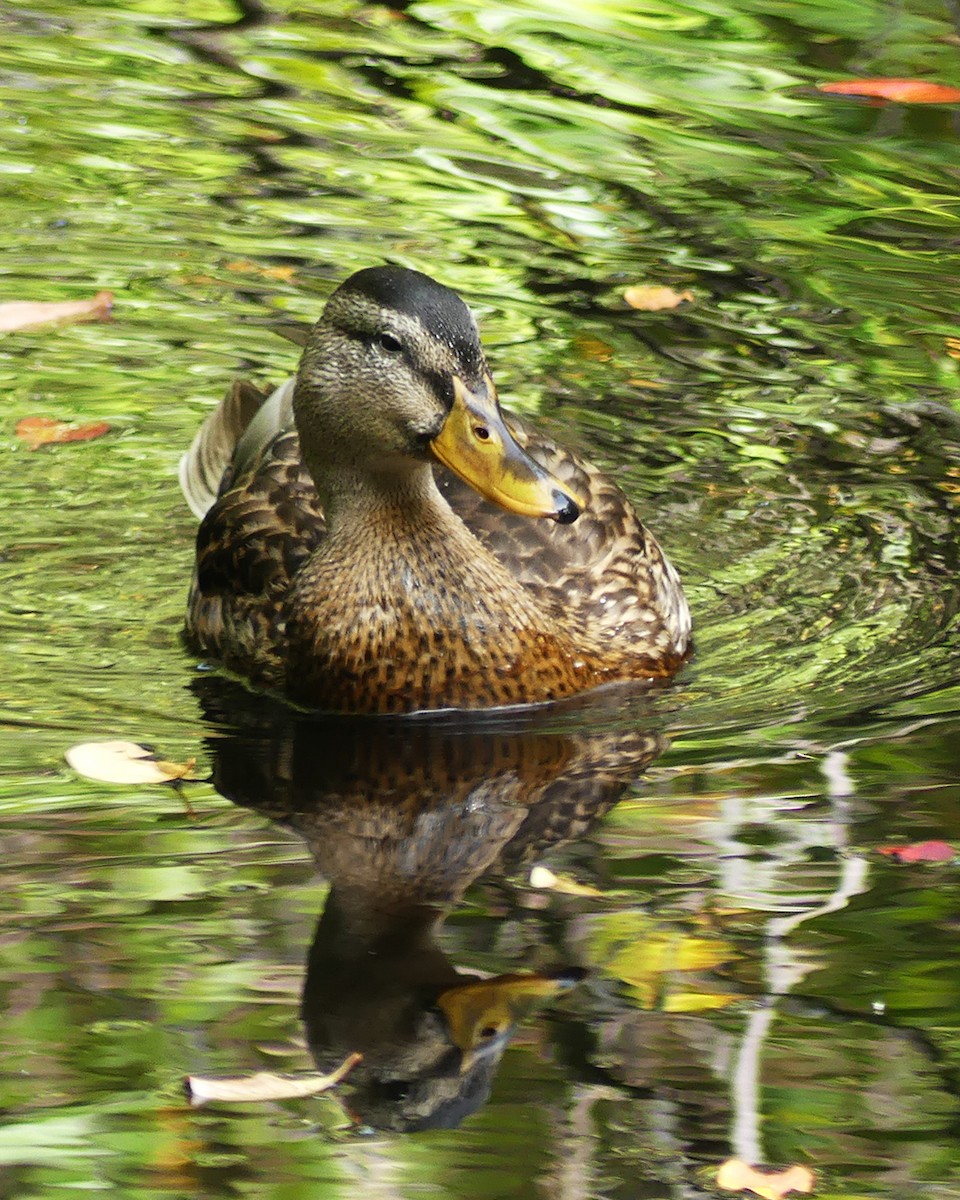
[476, 444]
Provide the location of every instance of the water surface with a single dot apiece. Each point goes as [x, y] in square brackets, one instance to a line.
[792, 436]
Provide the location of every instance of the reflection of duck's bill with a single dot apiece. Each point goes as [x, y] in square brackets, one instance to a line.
[476, 444]
[480, 1014]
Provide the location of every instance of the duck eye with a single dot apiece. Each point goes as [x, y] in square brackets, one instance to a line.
[389, 342]
[481, 433]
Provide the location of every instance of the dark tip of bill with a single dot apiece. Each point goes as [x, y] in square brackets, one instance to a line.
[567, 509]
[568, 977]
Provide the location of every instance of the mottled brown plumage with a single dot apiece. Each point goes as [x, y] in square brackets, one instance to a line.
[343, 567]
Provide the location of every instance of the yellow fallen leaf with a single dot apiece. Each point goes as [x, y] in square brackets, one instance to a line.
[737, 1176]
[244, 265]
[952, 346]
[265, 1085]
[544, 878]
[124, 762]
[284, 273]
[652, 298]
[29, 314]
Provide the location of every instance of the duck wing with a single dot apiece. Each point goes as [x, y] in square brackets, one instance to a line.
[260, 521]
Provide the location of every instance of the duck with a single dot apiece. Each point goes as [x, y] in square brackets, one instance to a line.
[377, 537]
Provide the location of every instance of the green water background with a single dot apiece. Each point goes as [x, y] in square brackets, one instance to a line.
[791, 435]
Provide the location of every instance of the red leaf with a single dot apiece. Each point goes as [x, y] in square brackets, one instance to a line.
[42, 431]
[932, 851]
[905, 91]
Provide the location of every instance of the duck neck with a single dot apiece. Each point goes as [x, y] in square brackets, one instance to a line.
[356, 501]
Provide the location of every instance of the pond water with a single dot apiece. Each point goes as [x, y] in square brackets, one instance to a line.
[761, 980]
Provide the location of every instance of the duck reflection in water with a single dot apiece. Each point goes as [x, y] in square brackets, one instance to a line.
[401, 817]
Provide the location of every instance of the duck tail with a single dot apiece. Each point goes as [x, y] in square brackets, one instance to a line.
[203, 466]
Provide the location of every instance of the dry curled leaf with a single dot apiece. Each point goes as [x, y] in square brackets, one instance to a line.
[30, 314]
[124, 762]
[46, 431]
[265, 1085]
[932, 851]
[653, 298]
[904, 91]
[737, 1176]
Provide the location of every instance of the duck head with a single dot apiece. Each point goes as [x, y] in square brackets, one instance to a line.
[393, 377]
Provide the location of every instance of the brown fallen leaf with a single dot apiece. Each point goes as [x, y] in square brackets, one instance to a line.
[932, 851]
[29, 314]
[124, 762]
[737, 1176]
[265, 1085]
[652, 298]
[903, 91]
[46, 431]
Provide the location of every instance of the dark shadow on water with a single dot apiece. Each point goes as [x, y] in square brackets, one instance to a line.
[401, 817]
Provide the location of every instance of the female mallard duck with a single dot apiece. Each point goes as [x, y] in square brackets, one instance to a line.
[341, 563]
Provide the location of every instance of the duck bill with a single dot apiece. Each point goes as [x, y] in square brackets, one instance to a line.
[476, 444]
[481, 1014]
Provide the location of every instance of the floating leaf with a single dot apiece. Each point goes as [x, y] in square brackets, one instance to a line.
[932, 851]
[904, 91]
[265, 1085]
[592, 349]
[43, 431]
[284, 273]
[543, 878]
[30, 314]
[737, 1176]
[652, 298]
[124, 762]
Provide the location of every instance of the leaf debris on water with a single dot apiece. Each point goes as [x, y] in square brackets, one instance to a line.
[124, 762]
[737, 1176]
[902, 91]
[33, 314]
[932, 851]
[44, 431]
[265, 1085]
[543, 878]
[654, 298]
